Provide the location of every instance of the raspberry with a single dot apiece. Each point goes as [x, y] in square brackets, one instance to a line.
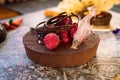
[51, 40]
[65, 39]
[73, 30]
[75, 24]
[64, 36]
[63, 33]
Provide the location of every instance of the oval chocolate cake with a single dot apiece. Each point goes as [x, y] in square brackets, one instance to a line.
[61, 56]
[54, 44]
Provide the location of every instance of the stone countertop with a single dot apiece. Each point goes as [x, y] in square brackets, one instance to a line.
[15, 65]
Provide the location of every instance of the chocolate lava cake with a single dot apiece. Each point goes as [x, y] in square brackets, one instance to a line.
[58, 52]
[101, 19]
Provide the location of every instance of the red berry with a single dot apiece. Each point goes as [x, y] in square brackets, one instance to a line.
[6, 25]
[73, 30]
[51, 40]
[63, 33]
[75, 24]
[12, 27]
[65, 39]
[64, 36]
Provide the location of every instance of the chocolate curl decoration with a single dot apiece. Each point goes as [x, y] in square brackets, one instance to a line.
[84, 29]
[52, 24]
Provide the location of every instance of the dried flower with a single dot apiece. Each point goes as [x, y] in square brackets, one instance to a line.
[116, 31]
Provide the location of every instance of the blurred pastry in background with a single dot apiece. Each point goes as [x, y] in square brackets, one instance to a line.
[80, 7]
[3, 33]
[103, 18]
[12, 24]
[50, 13]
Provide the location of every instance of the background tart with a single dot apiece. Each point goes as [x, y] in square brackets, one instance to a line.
[101, 19]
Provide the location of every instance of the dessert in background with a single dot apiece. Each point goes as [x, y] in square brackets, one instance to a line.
[50, 13]
[103, 17]
[80, 7]
[7, 26]
[61, 42]
[12, 24]
[3, 33]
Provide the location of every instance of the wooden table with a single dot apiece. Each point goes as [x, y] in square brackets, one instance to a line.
[15, 65]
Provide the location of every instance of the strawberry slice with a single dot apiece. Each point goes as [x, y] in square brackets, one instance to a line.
[17, 22]
[11, 27]
[6, 25]
[73, 30]
[12, 24]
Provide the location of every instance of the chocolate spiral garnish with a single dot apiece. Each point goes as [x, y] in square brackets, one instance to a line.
[55, 19]
[52, 24]
[63, 13]
[40, 24]
[66, 18]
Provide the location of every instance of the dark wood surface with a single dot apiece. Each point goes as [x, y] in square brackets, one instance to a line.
[7, 13]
